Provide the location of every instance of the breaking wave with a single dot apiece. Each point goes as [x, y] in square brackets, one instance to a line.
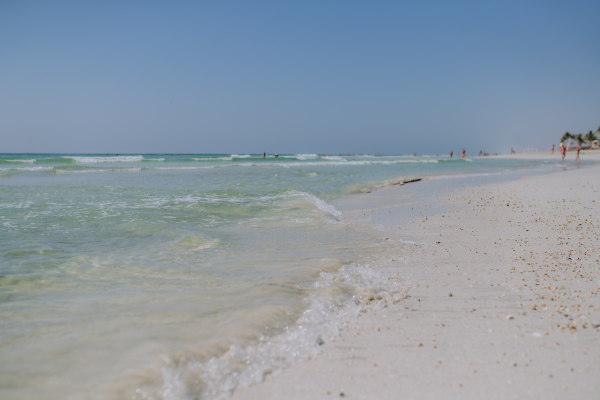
[91, 160]
[337, 298]
[31, 161]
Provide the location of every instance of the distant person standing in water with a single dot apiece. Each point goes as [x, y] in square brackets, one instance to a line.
[451, 152]
[578, 149]
[264, 154]
[563, 151]
[463, 153]
[552, 149]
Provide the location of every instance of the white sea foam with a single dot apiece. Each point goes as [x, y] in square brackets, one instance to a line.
[337, 298]
[382, 156]
[252, 200]
[214, 159]
[183, 168]
[102, 159]
[138, 169]
[260, 200]
[26, 169]
[95, 170]
[345, 163]
[23, 161]
[330, 161]
[241, 156]
[216, 199]
[322, 205]
[21, 204]
[302, 157]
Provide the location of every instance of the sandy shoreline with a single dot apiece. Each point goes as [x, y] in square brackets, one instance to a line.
[546, 155]
[503, 302]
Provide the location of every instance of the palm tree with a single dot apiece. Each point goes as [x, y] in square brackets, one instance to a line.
[590, 137]
[566, 137]
[579, 138]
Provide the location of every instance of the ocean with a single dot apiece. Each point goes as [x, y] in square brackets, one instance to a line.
[188, 276]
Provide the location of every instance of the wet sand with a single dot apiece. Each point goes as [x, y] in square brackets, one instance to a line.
[503, 301]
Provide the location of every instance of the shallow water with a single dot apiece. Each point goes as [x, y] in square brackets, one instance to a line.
[186, 276]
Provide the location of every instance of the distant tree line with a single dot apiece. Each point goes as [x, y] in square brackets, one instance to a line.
[580, 138]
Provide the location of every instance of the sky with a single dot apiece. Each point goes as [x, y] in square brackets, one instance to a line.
[383, 77]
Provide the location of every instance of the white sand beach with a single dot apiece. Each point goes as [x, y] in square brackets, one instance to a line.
[299, 200]
[591, 154]
[503, 301]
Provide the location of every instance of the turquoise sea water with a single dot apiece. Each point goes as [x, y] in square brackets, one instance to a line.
[185, 276]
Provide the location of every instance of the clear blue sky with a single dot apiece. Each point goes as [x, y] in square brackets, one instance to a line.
[294, 77]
